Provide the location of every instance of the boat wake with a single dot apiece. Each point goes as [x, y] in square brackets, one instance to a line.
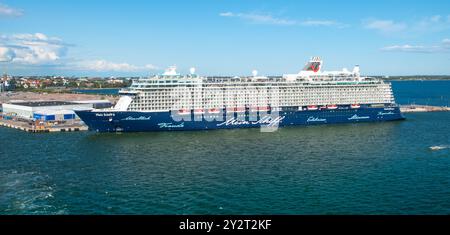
[26, 193]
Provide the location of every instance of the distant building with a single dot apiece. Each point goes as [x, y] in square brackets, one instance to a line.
[115, 81]
[5, 83]
[3, 86]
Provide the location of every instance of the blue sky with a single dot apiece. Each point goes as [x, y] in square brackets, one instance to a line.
[130, 38]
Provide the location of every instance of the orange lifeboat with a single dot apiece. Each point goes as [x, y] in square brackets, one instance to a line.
[236, 110]
[312, 107]
[264, 109]
[240, 110]
[332, 106]
[184, 111]
[213, 110]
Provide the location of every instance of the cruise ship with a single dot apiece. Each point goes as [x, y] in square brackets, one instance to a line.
[171, 101]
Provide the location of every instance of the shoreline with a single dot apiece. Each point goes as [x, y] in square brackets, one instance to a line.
[423, 108]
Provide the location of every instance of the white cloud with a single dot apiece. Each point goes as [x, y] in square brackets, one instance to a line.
[434, 23]
[107, 66]
[6, 54]
[258, 18]
[39, 49]
[151, 67]
[407, 48]
[227, 14]
[9, 11]
[271, 20]
[385, 26]
[35, 48]
[322, 23]
[102, 65]
[443, 47]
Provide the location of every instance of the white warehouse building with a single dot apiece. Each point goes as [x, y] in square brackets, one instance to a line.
[29, 109]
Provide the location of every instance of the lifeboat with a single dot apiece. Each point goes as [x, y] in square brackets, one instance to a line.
[264, 109]
[355, 106]
[236, 110]
[213, 110]
[199, 111]
[239, 110]
[184, 111]
[332, 106]
[312, 107]
[260, 109]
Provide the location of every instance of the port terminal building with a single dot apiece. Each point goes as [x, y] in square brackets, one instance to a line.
[50, 110]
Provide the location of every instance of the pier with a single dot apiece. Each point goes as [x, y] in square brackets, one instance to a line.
[422, 108]
[24, 126]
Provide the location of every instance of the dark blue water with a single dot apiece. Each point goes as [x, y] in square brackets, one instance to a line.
[422, 92]
[373, 168]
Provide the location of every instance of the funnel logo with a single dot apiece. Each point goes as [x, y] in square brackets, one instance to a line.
[312, 66]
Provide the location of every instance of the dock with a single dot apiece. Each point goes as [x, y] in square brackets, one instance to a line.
[422, 108]
[24, 126]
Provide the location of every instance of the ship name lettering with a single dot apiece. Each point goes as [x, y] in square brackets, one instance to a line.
[105, 114]
[356, 117]
[141, 118]
[316, 119]
[170, 125]
[388, 113]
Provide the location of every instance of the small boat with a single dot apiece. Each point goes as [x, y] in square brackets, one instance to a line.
[332, 106]
[184, 111]
[435, 148]
[312, 107]
[199, 111]
[213, 110]
[355, 106]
